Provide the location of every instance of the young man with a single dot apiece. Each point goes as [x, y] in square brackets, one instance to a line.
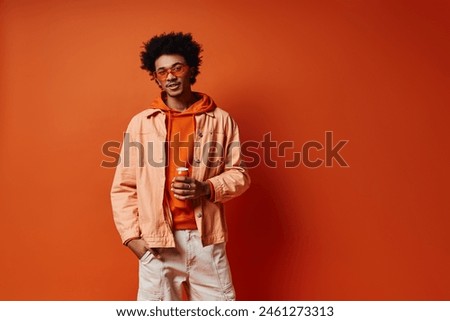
[174, 223]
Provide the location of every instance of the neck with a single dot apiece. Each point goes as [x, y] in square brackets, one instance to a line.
[181, 102]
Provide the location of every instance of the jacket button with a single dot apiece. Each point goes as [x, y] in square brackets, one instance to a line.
[197, 161]
[200, 134]
[199, 214]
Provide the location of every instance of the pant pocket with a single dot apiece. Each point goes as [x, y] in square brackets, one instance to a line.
[150, 278]
[223, 270]
[146, 257]
[229, 293]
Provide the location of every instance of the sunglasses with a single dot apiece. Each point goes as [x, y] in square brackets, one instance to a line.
[177, 70]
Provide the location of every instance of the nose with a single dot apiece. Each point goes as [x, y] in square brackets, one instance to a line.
[170, 76]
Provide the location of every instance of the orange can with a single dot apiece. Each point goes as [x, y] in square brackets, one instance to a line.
[181, 171]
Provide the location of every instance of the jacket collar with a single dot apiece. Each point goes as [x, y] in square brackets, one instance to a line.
[150, 112]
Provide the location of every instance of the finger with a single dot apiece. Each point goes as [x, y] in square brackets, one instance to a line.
[183, 179]
[181, 192]
[185, 194]
[183, 185]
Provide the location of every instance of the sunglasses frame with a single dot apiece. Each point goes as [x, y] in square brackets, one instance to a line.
[162, 73]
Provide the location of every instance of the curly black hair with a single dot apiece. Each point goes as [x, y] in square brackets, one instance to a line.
[169, 44]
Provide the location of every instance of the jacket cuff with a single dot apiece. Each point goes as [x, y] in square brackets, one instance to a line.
[216, 182]
[130, 239]
[212, 193]
[129, 235]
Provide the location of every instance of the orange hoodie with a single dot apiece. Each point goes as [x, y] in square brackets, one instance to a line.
[180, 138]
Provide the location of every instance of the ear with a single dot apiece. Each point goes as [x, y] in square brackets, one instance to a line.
[191, 74]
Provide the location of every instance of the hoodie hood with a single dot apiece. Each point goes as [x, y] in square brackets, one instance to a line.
[202, 105]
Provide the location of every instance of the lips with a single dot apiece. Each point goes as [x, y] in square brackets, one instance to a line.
[174, 85]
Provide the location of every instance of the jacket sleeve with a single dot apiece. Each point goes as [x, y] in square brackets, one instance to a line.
[234, 180]
[124, 191]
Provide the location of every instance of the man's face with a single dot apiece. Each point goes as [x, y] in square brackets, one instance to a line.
[173, 74]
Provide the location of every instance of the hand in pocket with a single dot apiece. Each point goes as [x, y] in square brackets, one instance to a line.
[139, 248]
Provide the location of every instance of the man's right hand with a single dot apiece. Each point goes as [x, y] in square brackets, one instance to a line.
[139, 248]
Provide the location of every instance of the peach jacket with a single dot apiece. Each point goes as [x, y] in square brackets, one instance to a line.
[137, 193]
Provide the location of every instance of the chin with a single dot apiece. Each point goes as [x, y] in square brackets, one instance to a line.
[174, 93]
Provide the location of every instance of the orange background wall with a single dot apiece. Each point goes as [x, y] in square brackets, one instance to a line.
[375, 73]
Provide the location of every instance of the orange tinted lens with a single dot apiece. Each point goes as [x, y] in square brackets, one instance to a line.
[161, 74]
[178, 70]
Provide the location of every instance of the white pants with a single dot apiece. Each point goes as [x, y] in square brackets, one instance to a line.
[204, 269]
